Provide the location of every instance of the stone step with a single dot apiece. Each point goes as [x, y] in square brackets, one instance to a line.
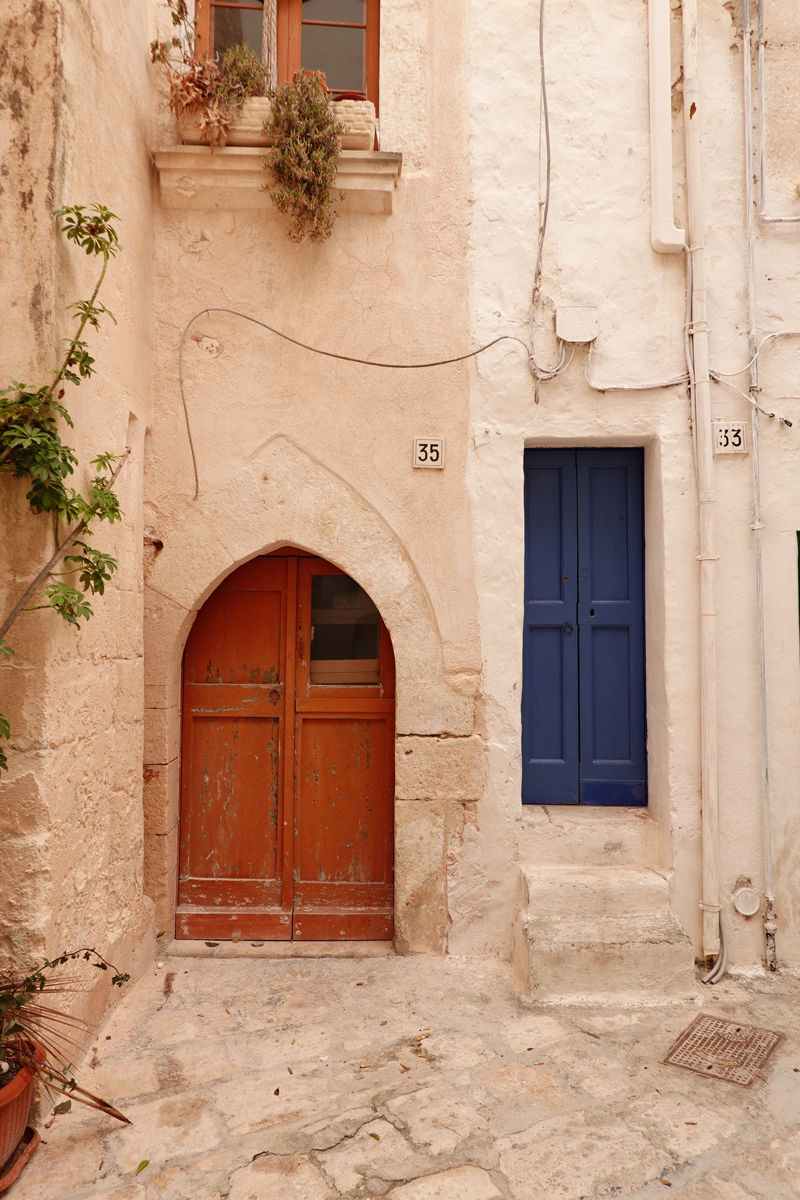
[579, 961]
[600, 934]
[587, 836]
[565, 890]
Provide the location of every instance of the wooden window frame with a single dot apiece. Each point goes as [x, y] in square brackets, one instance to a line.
[290, 29]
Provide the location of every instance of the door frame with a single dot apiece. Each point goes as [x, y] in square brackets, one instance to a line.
[663, 568]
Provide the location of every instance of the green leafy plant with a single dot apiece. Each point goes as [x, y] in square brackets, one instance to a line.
[303, 160]
[197, 82]
[31, 448]
[37, 1036]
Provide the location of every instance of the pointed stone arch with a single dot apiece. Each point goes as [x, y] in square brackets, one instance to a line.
[285, 497]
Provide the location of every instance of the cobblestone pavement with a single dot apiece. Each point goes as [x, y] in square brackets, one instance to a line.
[419, 1079]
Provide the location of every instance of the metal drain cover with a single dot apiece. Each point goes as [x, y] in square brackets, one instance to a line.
[723, 1050]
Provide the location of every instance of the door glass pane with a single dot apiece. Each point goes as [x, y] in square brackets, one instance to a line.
[345, 632]
[236, 27]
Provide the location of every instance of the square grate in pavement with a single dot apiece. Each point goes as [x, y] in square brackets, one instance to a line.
[723, 1050]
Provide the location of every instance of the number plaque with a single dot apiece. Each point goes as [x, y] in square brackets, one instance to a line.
[429, 452]
[730, 437]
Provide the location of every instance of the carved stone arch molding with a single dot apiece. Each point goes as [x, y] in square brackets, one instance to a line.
[283, 496]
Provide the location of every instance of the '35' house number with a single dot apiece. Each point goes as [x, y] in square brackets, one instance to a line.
[429, 452]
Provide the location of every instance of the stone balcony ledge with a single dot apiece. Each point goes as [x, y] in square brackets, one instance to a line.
[199, 178]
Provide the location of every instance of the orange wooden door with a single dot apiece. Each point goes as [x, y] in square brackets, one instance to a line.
[287, 777]
[344, 753]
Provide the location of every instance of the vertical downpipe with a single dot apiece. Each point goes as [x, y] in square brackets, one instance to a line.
[705, 477]
[770, 918]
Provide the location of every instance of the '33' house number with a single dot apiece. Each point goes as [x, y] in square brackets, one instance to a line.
[429, 452]
[730, 437]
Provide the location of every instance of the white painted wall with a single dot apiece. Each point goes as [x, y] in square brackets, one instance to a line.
[598, 252]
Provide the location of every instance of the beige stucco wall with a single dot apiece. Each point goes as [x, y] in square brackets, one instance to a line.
[297, 449]
[74, 124]
[598, 252]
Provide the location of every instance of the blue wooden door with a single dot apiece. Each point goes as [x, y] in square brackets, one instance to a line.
[583, 700]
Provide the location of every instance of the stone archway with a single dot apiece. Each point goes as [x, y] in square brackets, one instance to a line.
[286, 497]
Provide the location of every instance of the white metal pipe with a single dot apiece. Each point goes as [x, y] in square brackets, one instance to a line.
[664, 237]
[692, 112]
[770, 925]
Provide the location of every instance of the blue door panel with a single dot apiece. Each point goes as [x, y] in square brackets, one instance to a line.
[583, 702]
[611, 625]
[550, 749]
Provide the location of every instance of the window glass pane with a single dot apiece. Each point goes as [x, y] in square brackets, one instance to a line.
[236, 27]
[338, 52]
[351, 11]
[345, 632]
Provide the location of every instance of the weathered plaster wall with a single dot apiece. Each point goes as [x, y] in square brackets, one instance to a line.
[598, 252]
[294, 448]
[74, 124]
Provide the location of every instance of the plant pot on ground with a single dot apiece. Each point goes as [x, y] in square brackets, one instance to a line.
[37, 1043]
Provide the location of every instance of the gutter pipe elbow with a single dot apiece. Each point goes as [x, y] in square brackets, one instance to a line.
[665, 238]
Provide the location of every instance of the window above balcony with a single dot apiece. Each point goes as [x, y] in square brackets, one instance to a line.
[339, 37]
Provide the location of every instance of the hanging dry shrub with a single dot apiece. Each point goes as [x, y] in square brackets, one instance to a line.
[303, 160]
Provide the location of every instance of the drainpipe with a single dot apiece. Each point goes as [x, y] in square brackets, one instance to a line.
[665, 239]
[704, 455]
[770, 920]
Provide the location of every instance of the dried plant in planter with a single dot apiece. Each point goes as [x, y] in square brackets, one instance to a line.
[303, 161]
[35, 1036]
[198, 83]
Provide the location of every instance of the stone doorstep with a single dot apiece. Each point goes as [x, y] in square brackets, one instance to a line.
[640, 955]
[587, 836]
[178, 948]
[565, 890]
[587, 932]
[199, 178]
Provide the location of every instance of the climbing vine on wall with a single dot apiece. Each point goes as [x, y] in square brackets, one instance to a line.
[31, 448]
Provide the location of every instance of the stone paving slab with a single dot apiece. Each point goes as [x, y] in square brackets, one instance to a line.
[415, 1079]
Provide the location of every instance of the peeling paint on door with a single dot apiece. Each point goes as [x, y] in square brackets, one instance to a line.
[311, 858]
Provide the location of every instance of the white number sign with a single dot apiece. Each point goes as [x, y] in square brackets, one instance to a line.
[730, 437]
[429, 452]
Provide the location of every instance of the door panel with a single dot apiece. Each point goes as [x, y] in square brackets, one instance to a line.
[233, 772]
[583, 704]
[344, 793]
[550, 665]
[235, 736]
[287, 773]
[611, 625]
[341, 824]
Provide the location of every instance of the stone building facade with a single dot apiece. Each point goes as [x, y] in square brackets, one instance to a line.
[434, 254]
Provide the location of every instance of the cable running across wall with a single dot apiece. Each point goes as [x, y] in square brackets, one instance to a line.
[364, 362]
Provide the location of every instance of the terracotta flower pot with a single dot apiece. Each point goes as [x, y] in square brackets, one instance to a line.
[15, 1105]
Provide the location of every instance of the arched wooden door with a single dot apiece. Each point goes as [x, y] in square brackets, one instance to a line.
[287, 773]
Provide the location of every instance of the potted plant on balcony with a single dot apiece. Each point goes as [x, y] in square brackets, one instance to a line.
[35, 1044]
[215, 102]
[306, 140]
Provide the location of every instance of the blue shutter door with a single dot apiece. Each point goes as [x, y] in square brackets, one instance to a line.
[550, 641]
[611, 627]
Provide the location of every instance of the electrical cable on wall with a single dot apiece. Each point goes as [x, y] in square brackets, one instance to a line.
[717, 376]
[364, 362]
